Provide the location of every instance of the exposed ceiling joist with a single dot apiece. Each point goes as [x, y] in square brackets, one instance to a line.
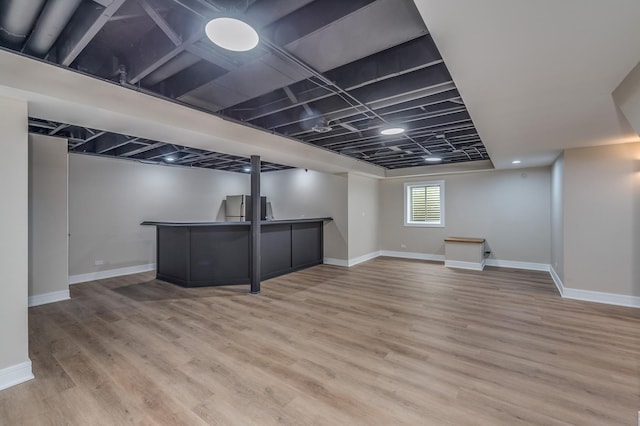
[84, 26]
[317, 76]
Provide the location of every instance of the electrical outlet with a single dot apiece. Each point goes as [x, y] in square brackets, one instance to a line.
[403, 246]
[99, 262]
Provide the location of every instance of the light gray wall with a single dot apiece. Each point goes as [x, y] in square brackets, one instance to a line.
[510, 208]
[601, 238]
[297, 193]
[635, 229]
[557, 217]
[109, 198]
[15, 233]
[48, 250]
[627, 97]
[363, 205]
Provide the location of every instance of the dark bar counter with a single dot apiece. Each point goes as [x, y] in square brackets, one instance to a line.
[197, 254]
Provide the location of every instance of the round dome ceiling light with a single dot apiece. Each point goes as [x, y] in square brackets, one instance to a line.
[392, 131]
[232, 34]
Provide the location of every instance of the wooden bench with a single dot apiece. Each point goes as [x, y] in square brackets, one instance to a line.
[464, 253]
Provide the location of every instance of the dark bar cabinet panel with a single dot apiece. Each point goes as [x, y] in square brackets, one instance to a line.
[172, 253]
[276, 250]
[306, 245]
[219, 253]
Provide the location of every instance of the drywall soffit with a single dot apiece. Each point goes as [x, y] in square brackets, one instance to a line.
[444, 169]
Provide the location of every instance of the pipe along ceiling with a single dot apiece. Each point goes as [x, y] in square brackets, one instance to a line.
[319, 74]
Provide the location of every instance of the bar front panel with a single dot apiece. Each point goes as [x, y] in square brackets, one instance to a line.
[173, 254]
[195, 254]
[276, 250]
[306, 244]
[219, 255]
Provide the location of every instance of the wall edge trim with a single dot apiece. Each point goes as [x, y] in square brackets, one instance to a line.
[565, 292]
[601, 297]
[110, 273]
[15, 374]
[556, 280]
[474, 266]
[44, 298]
[364, 258]
[410, 255]
[335, 262]
[529, 266]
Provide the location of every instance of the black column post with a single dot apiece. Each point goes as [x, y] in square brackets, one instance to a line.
[255, 224]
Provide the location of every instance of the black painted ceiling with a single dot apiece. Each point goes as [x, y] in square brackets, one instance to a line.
[83, 140]
[331, 73]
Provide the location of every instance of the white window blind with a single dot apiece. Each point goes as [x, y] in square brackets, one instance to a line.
[424, 203]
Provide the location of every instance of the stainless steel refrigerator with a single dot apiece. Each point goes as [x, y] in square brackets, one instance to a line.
[238, 208]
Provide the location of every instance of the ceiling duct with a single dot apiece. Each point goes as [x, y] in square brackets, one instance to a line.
[54, 17]
[17, 19]
[321, 126]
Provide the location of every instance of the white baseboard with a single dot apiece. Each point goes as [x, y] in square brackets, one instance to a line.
[363, 258]
[530, 266]
[464, 265]
[81, 278]
[593, 296]
[565, 292]
[556, 280]
[351, 262]
[335, 262]
[15, 375]
[409, 255]
[373, 255]
[599, 297]
[43, 299]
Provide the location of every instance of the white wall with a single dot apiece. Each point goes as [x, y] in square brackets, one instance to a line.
[363, 206]
[602, 235]
[557, 217]
[48, 251]
[109, 198]
[297, 193]
[510, 208]
[15, 366]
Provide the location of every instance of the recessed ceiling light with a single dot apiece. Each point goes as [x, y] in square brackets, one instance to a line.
[516, 162]
[392, 131]
[432, 159]
[247, 169]
[232, 34]
[170, 159]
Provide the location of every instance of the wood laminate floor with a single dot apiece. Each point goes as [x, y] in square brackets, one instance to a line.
[387, 342]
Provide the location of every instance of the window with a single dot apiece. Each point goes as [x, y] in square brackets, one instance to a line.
[424, 204]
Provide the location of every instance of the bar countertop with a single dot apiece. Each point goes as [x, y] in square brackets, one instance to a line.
[263, 223]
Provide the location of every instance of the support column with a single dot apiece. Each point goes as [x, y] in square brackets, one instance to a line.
[255, 224]
[15, 366]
